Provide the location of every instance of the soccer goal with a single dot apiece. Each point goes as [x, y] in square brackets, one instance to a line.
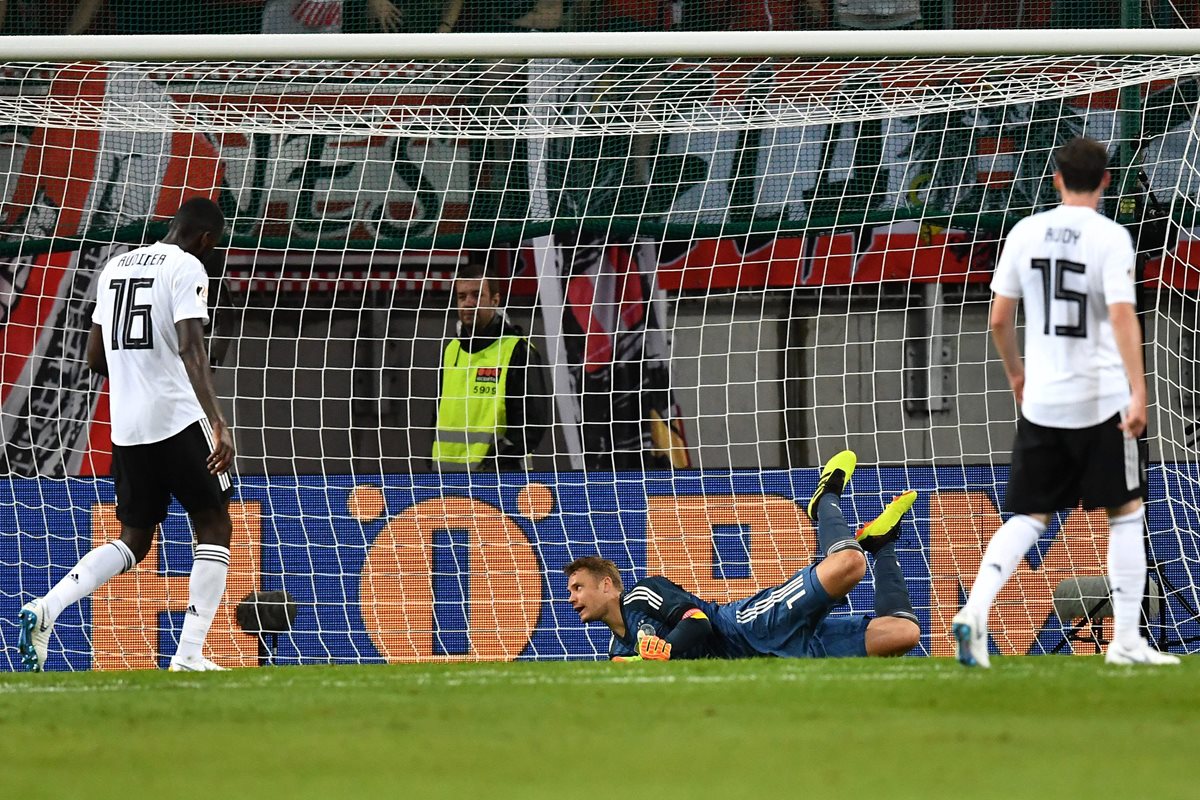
[736, 255]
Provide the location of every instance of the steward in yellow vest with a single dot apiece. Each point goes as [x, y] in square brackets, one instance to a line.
[492, 408]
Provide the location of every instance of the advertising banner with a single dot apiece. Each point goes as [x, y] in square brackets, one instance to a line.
[402, 568]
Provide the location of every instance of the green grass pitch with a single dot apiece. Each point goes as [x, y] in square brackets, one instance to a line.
[1048, 727]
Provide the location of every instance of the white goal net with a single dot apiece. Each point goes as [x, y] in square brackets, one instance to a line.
[731, 268]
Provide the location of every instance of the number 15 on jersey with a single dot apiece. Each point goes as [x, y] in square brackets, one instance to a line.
[1054, 272]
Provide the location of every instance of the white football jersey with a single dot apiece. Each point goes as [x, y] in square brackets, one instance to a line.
[140, 295]
[1068, 265]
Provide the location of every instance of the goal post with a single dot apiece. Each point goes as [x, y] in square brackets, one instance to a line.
[602, 44]
[737, 254]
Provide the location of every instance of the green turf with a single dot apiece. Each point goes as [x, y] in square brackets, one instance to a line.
[1044, 727]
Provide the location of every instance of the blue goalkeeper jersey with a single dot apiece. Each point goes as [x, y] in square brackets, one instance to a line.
[653, 607]
[788, 620]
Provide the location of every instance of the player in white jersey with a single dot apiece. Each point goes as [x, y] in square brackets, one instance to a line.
[1082, 394]
[169, 435]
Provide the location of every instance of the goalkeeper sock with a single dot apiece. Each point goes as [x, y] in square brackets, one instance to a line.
[891, 592]
[833, 534]
[1003, 553]
[1127, 575]
[205, 589]
[105, 562]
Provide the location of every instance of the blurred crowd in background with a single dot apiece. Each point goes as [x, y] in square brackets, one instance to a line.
[156, 17]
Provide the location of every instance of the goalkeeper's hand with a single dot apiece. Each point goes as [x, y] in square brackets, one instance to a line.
[654, 648]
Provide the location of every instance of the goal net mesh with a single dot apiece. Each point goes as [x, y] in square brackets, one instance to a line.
[730, 269]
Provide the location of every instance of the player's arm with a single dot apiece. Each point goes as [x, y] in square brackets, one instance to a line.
[691, 631]
[195, 361]
[1120, 295]
[1004, 333]
[1006, 296]
[97, 361]
[1128, 334]
[665, 601]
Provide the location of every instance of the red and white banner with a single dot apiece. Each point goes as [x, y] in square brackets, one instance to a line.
[613, 365]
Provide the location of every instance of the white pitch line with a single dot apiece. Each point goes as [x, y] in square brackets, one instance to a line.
[613, 675]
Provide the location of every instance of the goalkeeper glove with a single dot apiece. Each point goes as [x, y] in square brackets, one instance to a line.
[654, 648]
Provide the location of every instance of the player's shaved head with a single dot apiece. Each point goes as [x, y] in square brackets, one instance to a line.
[1082, 163]
[198, 215]
[197, 227]
[598, 567]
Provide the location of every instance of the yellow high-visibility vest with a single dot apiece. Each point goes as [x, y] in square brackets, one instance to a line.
[471, 412]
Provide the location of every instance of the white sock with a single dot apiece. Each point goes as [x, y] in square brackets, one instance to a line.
[205, 589]
[1001, 557]
[99, 565]
[1127, 575]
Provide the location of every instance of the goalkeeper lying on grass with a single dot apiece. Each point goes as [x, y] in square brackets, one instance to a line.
[656, 620]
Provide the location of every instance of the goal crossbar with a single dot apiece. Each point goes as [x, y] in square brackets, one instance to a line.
[714, 44]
